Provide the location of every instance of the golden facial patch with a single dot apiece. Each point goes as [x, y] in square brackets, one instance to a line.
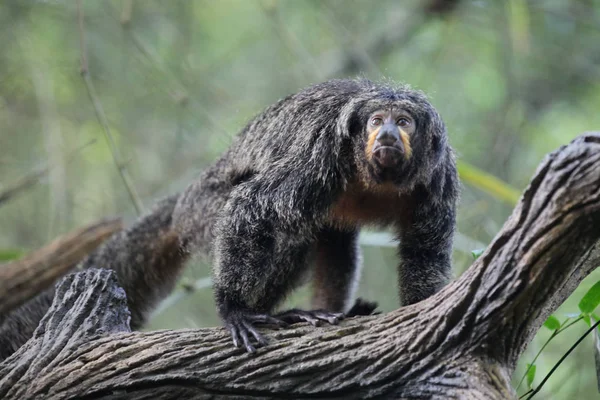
[371, 143]
[406, 142]
[403, 136]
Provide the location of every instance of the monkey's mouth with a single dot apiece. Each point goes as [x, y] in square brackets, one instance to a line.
[388, 156]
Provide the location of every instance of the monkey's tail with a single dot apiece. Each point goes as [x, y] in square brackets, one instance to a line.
[146, 258]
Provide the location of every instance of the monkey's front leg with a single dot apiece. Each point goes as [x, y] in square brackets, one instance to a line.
[252, 278]
[337, 271]
[245, 278]
[426, 250]
[257, 264]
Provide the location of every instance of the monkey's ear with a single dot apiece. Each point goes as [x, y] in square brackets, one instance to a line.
[349, 119]
[434, 123]
[436, 129]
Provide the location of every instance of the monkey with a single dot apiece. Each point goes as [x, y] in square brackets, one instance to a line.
[292, 192]
[288, 198]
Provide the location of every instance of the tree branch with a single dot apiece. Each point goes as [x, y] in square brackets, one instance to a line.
[22, 279]
[462, 342]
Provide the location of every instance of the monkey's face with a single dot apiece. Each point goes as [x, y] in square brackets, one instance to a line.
[388, 143]
[397, 137]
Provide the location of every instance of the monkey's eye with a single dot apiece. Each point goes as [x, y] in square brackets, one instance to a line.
[376, 121]
[403, 122]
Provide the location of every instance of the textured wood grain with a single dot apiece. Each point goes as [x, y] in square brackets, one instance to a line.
[461, 343]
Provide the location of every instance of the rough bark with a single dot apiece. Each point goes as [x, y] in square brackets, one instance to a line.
[22, 279]
[461, 343]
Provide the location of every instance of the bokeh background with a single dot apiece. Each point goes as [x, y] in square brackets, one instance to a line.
[167, 84]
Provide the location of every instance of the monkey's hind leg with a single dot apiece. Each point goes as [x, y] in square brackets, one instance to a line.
[337, 271]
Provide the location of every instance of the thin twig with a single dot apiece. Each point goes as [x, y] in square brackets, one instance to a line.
[22, 184]
[532, 363]
[555, 367]
[525, 394]
[559, 330]
[554, 334]
[135, 199]
[34, 177]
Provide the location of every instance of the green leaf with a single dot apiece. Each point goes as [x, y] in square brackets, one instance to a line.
[552, 323]
[477, 253]
[530, 374]
[10, 254]
[591, 299]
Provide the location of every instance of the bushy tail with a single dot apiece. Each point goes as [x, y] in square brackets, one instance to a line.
[147, 259]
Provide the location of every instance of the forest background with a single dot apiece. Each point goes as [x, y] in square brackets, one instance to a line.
[166, 85]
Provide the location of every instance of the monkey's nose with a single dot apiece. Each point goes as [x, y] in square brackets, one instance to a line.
[388, 137]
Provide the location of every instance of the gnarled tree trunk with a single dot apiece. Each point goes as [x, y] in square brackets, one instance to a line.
[463, 342]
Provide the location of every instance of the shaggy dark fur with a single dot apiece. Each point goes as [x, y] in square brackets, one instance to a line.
[291, 193]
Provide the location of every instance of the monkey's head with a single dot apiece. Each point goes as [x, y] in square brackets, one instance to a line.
[398, 136]
[388, 138]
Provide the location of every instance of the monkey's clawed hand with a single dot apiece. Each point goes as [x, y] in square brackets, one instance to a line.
[241, 324]
[314, 317]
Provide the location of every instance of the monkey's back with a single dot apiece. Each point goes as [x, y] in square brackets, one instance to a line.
[275, 142]
[310, 127]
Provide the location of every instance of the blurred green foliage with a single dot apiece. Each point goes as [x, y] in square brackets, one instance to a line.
[177, 79]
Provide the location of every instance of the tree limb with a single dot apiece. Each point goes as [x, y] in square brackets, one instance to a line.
[462, 342]
[22, 279]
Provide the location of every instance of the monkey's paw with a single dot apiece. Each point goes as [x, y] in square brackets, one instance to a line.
[362, 307]
[241, 324]
[313, 317]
